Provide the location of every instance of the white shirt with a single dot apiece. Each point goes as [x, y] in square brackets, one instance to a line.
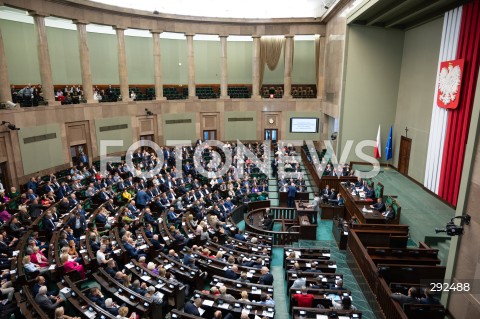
[100, 257]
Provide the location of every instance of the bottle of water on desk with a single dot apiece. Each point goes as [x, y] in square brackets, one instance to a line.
[364, 209]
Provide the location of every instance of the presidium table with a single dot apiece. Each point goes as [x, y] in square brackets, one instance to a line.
[358, 207]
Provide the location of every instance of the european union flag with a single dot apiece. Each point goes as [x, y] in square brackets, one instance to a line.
[388, 148]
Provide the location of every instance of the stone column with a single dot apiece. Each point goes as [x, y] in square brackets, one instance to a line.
[287, 75]
[256, 67]
[5, 93]
[191, 66]
[157, 65]
[85, 62]
[321, 68]
[44, 60]
[122, 63]
[223, 68]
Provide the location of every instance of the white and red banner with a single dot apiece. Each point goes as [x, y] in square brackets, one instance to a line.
[459, 61]
[377, 152]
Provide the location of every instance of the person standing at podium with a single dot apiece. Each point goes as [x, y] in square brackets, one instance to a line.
[291, 193]
[316, 207]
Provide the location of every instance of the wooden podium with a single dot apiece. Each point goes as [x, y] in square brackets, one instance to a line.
[304, 213]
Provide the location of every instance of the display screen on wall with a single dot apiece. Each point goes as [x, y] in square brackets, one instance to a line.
[304, 125]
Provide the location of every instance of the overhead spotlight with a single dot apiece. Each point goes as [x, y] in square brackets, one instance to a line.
[10, 126]
[148, 112]
[326, 7]
[156, 12]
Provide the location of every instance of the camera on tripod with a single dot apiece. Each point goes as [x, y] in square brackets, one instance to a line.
[452, 229]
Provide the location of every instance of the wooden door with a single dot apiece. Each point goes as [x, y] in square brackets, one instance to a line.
[404, 155]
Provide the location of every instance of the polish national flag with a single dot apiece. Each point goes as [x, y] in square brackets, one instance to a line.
[378, 148]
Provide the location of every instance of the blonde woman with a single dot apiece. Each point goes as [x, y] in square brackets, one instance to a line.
[60, 314]
[70, 265]
[244, 296]
[37, 257]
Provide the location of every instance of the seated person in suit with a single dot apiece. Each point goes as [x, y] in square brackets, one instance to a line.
[140, 288]
[111, 307]
[389, 213]
[337, 201]
[45, 302]
[232, 273]
[359, 182]
[131, 250]
[239, 235]
[332, 196]
[96, 296]
[379, 205]
[266, 278]
[41, 281]
[338, 285]
[369, 193]
[325, 194]
[111, 268]
[192, 307]
[173, 217]
[268, 222]
[402, 299]
[429, 299]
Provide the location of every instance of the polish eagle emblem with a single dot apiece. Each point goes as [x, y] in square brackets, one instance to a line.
[449, 83]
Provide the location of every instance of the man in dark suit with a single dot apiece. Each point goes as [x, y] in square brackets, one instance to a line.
[142, 199]
[132, 208]
[40, 281]
[369, 193]
[156, 242]
[402, 299]
[291, 193]
[239, 235]
[131, 250]
[96, 296]
[274, 166]
[78, 224]
[103, 195]
[64, 190]
[266, 278]
[379, 205]
[389, 213]
[192, 308]
[232, 273]
[48, 224]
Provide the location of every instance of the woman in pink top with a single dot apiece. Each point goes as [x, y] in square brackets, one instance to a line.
[37, 257]
[70, 265]
[4, 215]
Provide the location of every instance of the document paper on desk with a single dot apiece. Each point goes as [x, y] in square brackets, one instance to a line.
[343, 317]
[90, 314]
[207, 303]
[224, 305]
[322, 317]
[201, 311]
